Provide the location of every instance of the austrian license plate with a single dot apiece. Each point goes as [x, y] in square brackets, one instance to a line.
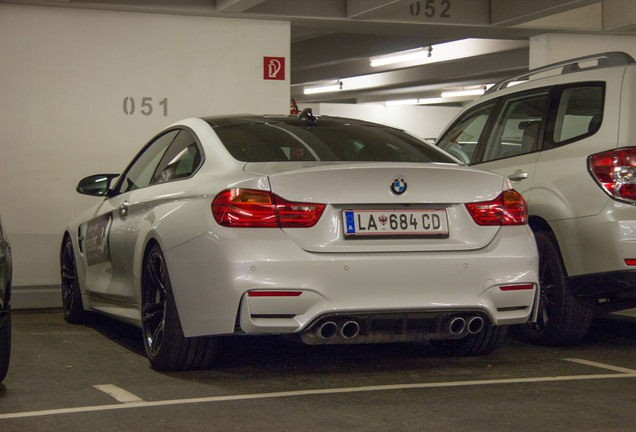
[395, 222]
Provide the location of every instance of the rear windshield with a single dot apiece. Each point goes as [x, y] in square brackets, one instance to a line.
[275, 142]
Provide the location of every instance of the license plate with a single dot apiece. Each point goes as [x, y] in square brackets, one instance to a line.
[395, 222]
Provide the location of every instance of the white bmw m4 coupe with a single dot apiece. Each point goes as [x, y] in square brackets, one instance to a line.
[330, 229]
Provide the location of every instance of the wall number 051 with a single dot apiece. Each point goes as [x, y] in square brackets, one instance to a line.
[145, 106]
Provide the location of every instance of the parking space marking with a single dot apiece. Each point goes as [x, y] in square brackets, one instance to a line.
[601, 365]
[318, 392]
[118, 393]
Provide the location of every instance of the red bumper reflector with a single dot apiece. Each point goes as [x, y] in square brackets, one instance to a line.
[274, 293]
[517, 287]
[631, 262]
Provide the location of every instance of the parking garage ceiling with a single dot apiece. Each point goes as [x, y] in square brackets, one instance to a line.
[332, 41]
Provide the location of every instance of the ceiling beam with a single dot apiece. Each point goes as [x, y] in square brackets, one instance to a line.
[369, 8]
[299, 9]
[619, 15]
[236, 6]
[583, 19]
[513, 12]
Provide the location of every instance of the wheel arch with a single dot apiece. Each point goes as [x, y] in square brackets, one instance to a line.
[538, 224]
[79, 262]
[65, 236]
[150, 242]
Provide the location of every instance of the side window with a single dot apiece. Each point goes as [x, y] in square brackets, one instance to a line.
[181, 160]
[579, 113]
[516, 130]
[462, 137]
[140, 173]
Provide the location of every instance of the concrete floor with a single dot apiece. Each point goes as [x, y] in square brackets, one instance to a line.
[96, 378]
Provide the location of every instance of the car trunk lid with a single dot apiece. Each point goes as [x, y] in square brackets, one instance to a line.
[378, 197]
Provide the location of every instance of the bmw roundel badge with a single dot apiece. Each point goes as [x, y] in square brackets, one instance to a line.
[398, 186]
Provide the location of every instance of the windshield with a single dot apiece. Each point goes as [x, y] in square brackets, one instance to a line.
[328, 141]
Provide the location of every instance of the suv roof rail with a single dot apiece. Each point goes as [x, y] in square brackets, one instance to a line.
[606, 59]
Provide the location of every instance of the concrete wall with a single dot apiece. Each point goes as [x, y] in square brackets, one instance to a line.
[82, 91]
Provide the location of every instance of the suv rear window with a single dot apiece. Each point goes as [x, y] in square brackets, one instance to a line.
[579, 113]
[327, 141]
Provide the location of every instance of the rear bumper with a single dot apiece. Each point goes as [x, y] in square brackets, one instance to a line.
[617, 290]
[212, 279]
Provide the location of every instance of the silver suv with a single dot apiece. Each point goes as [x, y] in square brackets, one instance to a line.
[564, 135]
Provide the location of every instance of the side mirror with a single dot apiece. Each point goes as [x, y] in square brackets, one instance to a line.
[96, 185]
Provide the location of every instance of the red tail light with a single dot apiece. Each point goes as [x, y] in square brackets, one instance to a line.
[615, 172]
[509, 208]
[254, 208]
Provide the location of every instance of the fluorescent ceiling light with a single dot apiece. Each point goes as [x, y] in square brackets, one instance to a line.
[428, 101]
[401, 57]
[402, 102]
[323, 89]
[348, 84]
[466, 92]
[423, 101]
[454, 50]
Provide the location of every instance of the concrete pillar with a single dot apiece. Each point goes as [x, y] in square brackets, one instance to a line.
[551, 48]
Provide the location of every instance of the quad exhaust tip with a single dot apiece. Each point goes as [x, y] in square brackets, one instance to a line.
[458, 325]
[346, 329]
[328, 329]
[475, 325]
[349, 329]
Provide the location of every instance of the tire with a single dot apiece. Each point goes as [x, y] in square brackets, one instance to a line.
[166, 347]
[482, 343]
[563, 319]
[72, 305]
[5, 344]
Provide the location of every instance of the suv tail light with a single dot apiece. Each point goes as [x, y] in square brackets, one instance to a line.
[615, 172]
[255, 208]
[509, 208]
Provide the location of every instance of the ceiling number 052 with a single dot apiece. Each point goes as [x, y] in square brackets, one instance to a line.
[431, 8]
[145, 106]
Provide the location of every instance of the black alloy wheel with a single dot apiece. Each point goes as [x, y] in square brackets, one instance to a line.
[166, 346]
[71, 294]
[153, 314]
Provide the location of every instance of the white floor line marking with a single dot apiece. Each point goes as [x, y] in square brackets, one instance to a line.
[118, 393]
[300, 393]
[601, 365]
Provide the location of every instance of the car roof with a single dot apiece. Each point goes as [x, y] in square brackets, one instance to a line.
[566, 67]
[293, 120]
